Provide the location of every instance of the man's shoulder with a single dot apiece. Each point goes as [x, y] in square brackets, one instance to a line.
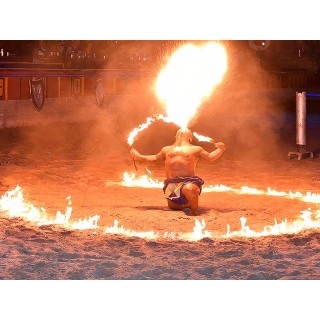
[166, 148]
[194, 147]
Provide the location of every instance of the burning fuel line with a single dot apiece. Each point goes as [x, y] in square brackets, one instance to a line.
[13, 205]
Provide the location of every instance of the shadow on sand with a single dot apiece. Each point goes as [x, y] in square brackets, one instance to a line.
[163, 208]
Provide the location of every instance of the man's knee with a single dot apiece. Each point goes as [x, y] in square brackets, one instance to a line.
[191, 192]
[191, 188]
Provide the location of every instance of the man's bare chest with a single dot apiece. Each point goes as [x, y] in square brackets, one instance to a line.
[181, 151]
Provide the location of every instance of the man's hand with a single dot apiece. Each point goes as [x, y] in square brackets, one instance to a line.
[220, 145]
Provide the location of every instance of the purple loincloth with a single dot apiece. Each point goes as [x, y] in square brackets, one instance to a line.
[172, 188]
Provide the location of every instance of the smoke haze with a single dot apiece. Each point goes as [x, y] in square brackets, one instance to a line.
[240, 112]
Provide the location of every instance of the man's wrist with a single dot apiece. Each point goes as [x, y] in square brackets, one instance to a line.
[221, 147]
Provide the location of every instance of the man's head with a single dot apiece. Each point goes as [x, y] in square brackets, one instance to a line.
[184, 134]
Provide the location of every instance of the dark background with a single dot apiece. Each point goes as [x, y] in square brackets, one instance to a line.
[271, 55]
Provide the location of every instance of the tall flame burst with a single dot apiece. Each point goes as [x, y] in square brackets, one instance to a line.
[190, 76]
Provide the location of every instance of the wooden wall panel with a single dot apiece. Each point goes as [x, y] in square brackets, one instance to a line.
[24, 88]
[88, 86]
[2, 88]
[17, 88]
[52, 87]
[110, 85]
[65, 86]
[13, 88]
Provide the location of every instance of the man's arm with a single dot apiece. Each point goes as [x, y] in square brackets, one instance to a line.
[140, 157]
[215, 154]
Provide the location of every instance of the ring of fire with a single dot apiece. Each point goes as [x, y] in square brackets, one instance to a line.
[13, 205]
[210, 63]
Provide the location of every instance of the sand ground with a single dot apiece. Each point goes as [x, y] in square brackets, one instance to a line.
[92, 179]
[60, 167]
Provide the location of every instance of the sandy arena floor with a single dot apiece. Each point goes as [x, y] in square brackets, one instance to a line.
[92, 179]
[49, 168]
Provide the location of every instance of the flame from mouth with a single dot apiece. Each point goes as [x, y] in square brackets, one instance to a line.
[190, 75]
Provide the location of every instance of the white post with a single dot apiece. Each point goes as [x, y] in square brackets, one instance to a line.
[301, 113]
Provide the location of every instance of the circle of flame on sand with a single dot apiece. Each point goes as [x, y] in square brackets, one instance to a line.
[174, 86]
[13, 205]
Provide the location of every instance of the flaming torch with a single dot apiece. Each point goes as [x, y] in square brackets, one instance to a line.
[203, 138]
[133, 134]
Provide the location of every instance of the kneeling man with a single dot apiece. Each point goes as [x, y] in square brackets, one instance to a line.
[182, 187]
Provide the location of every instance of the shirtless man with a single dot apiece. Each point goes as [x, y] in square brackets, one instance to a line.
[182, 187]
